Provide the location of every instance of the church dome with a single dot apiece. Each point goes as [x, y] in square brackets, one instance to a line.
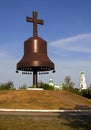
[82, 72]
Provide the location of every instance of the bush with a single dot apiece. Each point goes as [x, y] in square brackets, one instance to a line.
[86, 93]
[7, 86]
[45, 86]
[23, 87]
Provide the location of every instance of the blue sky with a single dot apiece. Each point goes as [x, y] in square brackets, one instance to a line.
[67, 30]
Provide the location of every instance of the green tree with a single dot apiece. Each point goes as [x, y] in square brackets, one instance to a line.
[86, 92]
[7, 86]
[68, 84]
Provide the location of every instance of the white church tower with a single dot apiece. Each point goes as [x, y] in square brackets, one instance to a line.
[83, 84]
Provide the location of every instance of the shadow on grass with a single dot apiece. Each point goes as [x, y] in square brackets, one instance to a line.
[82, 107]
[77, 120]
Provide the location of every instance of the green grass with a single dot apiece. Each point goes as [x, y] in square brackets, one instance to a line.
[24, 99]
[44, 122]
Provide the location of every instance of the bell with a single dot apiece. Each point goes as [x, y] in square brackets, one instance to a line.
[35, 54]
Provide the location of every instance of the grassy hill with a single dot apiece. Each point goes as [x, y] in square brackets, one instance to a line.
[33, 99]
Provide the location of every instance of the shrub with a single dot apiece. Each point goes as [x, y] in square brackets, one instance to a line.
[45, 86]
[24, 86]
[7, 86]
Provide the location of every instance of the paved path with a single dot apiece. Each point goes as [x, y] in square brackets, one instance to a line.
[63, 113]
[29, 110]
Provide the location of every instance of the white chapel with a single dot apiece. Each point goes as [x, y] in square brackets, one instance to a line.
[83, 84]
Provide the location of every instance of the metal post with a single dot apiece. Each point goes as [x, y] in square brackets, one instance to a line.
[34, 79]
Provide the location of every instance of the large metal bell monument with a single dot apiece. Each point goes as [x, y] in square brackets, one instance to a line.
[35, 57]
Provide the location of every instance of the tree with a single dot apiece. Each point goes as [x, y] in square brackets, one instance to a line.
[86, 92]
[7, 86]
[68, 84]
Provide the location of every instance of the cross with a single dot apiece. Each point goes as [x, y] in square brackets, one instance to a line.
[35, 21]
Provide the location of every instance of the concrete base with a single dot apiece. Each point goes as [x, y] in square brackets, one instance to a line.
[34, 89]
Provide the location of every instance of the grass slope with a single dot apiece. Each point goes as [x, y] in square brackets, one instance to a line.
[33, 99]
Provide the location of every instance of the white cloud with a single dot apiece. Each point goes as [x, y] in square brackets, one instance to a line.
[78, 43]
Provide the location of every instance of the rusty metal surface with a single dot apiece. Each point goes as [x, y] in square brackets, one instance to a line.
[35, 21]
[35, 53]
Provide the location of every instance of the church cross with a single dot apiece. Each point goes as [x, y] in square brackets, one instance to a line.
[35, 21]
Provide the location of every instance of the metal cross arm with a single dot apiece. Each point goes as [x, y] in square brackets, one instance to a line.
[35, 21]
